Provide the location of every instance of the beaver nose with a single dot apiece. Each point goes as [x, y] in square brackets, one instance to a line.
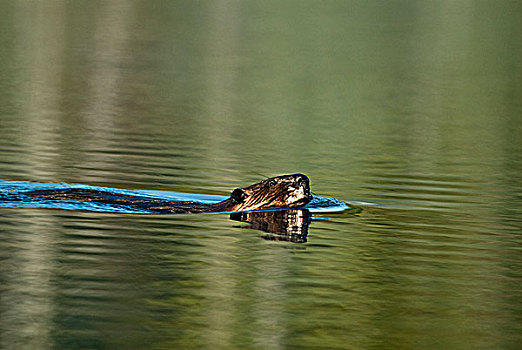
[301, 179]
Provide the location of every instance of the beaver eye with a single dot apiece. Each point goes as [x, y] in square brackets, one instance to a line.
[271, 183]
[238, 195]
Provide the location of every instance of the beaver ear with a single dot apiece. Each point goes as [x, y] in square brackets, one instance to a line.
[238, 195]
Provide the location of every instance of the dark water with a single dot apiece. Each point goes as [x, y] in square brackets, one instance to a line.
[410, 110]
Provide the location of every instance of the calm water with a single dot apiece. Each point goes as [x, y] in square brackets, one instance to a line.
[410, 110]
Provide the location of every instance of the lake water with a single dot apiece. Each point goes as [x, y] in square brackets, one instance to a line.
[410, 111]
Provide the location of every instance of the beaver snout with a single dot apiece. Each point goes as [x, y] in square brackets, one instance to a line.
[303, 182]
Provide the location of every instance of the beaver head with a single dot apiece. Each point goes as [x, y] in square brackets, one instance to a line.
[276, 192]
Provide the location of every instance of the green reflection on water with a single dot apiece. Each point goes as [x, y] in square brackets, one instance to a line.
[413, 106]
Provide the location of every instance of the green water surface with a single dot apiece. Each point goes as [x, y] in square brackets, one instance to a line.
[410, 109]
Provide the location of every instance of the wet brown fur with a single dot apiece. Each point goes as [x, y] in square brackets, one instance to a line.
[287, 191]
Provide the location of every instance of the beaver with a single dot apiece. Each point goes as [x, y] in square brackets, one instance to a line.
[286, 191]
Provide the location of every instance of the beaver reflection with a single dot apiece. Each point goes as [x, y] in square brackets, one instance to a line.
[285, 225]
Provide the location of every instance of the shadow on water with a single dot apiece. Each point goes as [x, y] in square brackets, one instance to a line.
[284, 225]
